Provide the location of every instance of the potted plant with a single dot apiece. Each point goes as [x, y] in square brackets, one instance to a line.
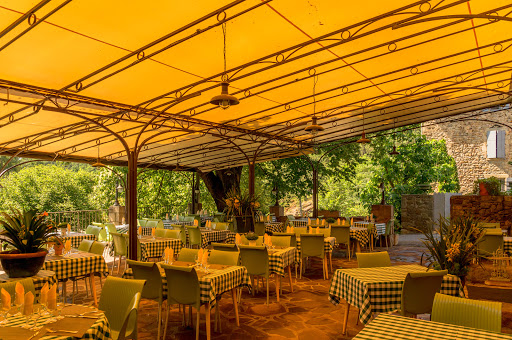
[27, 234]
[397, 230]
[487, 187]
[330, 220]
[252, 237]
[241, 208]
[57, 244]
[454, 245]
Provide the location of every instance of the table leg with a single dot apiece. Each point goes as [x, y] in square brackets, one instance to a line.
[345, 319]
[358, 246]
[208, 326]
[330, 260]
[235, 304]
[93, 289]
[290, 277]
[277, 286]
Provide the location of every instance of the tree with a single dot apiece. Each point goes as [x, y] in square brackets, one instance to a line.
[219, 182]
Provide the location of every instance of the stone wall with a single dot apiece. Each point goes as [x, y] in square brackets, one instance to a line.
[466, 142]
[417, 210]
[486, 208]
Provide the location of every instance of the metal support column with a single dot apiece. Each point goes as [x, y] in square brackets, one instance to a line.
[251, 178]
[315, 192]
[132, 204]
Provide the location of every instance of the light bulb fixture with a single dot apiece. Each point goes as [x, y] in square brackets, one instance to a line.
[98, 163]
[197, 191]
[224, 100]
[119, 187]
[314, 128]
[394, 152]
[363, 140]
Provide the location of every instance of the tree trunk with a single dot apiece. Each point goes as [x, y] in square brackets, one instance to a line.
[219, 182]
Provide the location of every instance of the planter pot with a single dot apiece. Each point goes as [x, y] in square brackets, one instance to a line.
[22, 265]
[395, 239]
[252, 243]
[244, 224]
[483, 189]
[58, 248]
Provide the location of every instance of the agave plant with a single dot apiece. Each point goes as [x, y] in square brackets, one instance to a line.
[27, 232]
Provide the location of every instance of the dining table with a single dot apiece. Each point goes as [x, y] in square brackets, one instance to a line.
[397, 327]
[280, 261]
[329, 243]
[154, 247]
[211, 235]
[212, 283]
[76, 264]
[378, 289]
[42, 277]
[74, 322]
[76, 238]
[274, 227]
[507, 244]
[362, 236]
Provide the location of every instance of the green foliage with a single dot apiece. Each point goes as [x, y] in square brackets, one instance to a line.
[251, 236]
[27, 232]
[491, 184]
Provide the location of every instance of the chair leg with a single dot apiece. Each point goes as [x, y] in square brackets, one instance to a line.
[276, 276]
[167, 317]
[345, 319]
[184, 323]
[216, 317]
[190, 315]
[159, 320]
[301, 268]
[197, 321]
[267, 291]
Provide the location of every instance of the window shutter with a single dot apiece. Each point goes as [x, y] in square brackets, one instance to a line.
[501, 144]
[491, 144]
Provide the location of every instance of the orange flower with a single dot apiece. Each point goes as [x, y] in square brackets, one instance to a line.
[45, 214]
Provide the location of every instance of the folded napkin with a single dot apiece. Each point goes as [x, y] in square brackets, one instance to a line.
[195, 223]
[20, 294]
[343, 222]
[69, 228]
[238, 238]
[323, 222]
[167, 216]
[67, 246]
[6, 299]
[139, 231]
[351, 221]
[310, 230]
[28, 306]
[317, 221]
[268, 218]
[204, 260]
[123, 221]
[168, 254]
[318, 230]
[292, 229]
[309, 220]
[288, 229]
[52, 297]
[153, 230]
[43, 295]
[339, 222]
[265, 239]
[200, 255]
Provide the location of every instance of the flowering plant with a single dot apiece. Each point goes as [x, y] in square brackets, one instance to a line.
[238, 204]
[27, 232]
[454, 245]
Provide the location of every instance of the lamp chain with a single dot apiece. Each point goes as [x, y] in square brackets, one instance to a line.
[224, 35]
[315, 80]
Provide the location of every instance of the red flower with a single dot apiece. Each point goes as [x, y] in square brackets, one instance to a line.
[45, 214]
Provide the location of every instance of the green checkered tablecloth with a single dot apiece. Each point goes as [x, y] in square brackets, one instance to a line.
[274, 227]
[76, 238]
[395, 327]
[154, 247]
[77, 264]
[209, 236]
[99, 330]
[361, 234]
[42, 277]
[507, 245]
[379, 289]
[328, 245]
[279, 259]
[216, 282]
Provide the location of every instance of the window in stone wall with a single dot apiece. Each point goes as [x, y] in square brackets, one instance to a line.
[496, 144]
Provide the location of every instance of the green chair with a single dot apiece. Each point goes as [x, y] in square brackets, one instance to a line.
[187, 255]
[226, 258]
[492, 240]
[119, 301]
[27, 283]
[95, 248]
[281, 241]
[419, 290]
[183, 235]
[387, 232]
[220, 225]
[93, 230]
[172, 233]
[98, 248]
[290, 217]
[478, 314]
[300, 230]
[194, 236]
[97, 224]
[293, 238]
[255, 260]
[141, 222]
[153, 289]
[120, 249]
[111, 228]
[369, 260]
[371, 229]
[188, 219]
[183, 289]
[259, 228]
[160, 232]
[225, 247]
[85, 245]
[342, 236]
[488, 225]
[151, 224]
[312, 245]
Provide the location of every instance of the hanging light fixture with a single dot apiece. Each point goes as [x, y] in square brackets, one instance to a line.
[224, 100]
[314, 128]
[394, 152]
[98, 163]
[363, 140]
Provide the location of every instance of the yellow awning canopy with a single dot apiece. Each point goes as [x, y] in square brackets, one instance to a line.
[86, 79]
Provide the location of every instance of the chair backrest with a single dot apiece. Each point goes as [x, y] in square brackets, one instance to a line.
[183, 235]
[293, 238]
[225, 247]
[102, 235]
[255, 259]
[312, 245]
[182, 285]
[151, 224]
[377, 259]
[490, 242]
[341, 233]
[259, 228]
[227, 258]
[419, 290]
[85, 245]
[171, 233]
[389, 226]
[325, 231]
[290, 217]
[98, 248]
[120, 245]
[97, 224]
[148, 271]
[194, 235]
[467, 312]
[188, 219]
[187, 255]
[27, 283]
[141, 222]
[111, 228]
[491, 225]
[300, 230]
[160, 233]
[221, 217]
[93, 230]
[281, 241]
[119, 298]
[220, 225]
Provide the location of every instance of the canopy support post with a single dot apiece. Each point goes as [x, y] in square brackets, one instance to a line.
[132, 205]
[251, 178]
[315, 192]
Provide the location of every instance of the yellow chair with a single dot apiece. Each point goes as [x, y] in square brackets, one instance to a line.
[419, 290]
[369, 260]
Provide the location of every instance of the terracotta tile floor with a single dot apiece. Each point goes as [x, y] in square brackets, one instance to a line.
[304, 314]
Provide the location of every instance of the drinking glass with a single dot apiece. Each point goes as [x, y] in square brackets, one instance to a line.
[5, 313]
[36, 314]
[198, 263]
[18, 305]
